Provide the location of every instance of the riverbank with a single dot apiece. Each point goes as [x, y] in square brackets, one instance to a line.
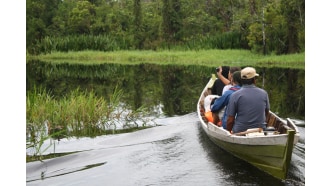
[192, 57]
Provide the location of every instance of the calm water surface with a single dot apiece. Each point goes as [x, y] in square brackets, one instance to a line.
[175, 153]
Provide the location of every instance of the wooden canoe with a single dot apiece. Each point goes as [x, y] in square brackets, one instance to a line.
[269, 151]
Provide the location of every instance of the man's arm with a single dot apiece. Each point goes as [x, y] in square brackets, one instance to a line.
[219, 103]
[266, 112]
[230, 123]
[222, 78]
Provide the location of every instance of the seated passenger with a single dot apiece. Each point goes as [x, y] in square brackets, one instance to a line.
[221, 81]
[222, 102]
[230, 74]
[207, 105]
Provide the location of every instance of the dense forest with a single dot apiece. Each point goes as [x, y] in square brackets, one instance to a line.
[262, 26]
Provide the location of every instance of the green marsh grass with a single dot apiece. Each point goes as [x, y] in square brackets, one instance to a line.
[77, 114]
[189, 57]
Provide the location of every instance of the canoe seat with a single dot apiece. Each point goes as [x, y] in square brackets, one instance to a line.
[271, 119]
[283, 128]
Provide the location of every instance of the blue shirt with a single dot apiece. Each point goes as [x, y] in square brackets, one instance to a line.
[223, 101]
[248, 105]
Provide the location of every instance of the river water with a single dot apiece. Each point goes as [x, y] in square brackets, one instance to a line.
[176, 152]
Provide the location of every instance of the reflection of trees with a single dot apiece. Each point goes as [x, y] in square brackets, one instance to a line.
[286, 90]
[138, 92]
[171, 82]
[175, 87]
[295, 93]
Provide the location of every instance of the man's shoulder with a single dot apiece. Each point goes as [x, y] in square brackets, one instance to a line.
[262, 90]
[234, 94]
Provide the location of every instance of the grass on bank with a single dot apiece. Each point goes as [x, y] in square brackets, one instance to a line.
[191, 57]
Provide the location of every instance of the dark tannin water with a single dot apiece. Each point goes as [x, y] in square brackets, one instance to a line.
[175, 153]
[176, 88]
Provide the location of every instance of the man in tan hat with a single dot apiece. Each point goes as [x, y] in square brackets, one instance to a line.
[249, 106]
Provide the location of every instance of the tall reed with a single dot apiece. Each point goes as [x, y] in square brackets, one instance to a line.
[229, 40]
[36, 116]
[79, 113]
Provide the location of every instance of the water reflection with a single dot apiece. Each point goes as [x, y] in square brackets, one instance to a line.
[172, 88]
[176, 152]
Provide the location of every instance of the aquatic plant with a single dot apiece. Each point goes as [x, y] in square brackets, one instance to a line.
[79, 113]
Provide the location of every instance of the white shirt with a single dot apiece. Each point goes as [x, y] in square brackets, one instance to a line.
[207, 102]
[227, 87]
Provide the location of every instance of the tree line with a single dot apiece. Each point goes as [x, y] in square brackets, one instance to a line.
[262, 26]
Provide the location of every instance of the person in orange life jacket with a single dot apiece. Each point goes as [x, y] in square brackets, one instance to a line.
[221, 81]
[222, 102]
[249, 106]
[207, 106]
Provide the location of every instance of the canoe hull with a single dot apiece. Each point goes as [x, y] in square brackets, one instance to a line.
[270, 153]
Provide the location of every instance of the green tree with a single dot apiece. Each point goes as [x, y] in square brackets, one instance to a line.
[101, 25]
[294, 14]
[138, 37]
[256, 35]
[266, 26]
[39, 14]
[172, 23]
[61, 24]
[82, 17]
[275, 28]
[152, 20]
